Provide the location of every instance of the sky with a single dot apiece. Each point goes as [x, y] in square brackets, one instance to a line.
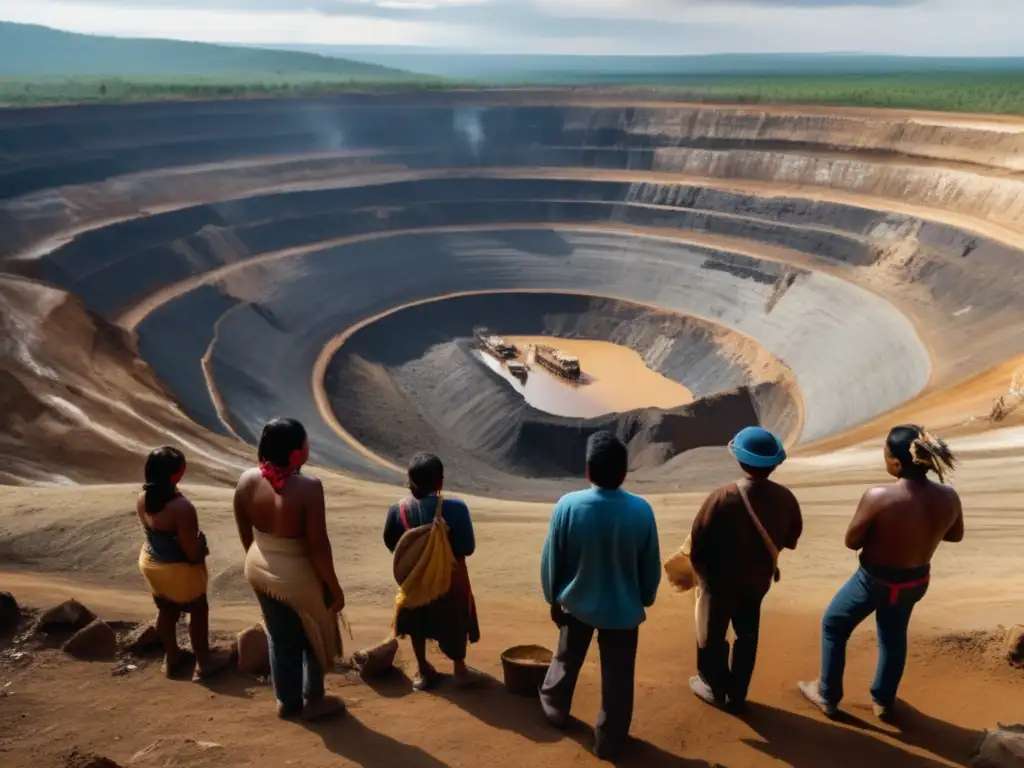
[911, 27]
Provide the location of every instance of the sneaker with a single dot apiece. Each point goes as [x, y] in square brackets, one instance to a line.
[882, 712]
[703, 692]
[812, 692]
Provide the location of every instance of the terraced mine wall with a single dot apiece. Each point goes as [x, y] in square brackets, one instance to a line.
[869, 255]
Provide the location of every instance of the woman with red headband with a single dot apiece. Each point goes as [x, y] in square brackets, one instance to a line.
[290, 566]
[173, 563]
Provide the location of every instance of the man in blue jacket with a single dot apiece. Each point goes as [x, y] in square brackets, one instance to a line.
[600, 569]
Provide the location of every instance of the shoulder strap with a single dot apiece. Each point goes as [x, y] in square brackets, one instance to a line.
[440, 508]
[403, 512]
[768, 543]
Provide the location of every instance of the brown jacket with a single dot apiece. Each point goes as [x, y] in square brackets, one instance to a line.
[727, 550]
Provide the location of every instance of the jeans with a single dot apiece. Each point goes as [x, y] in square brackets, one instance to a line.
[618, 667]
[740, 607]
[294, 668]
[869, 591]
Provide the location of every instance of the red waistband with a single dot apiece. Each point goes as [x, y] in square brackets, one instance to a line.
[895, 589]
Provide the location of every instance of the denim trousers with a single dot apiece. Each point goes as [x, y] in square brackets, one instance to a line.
[879, 591]
[294, 669]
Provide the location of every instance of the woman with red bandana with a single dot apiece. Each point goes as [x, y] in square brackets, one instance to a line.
[173, 562]
[290, 566]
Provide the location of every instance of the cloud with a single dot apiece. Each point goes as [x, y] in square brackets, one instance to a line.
[938, 27]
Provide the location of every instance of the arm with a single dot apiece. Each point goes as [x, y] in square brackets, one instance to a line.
[393, 528]
[860, 526]
[955, 533]
[192, 543]
[796, 527]
[650, 564]
[461, 530]
[242, 521]
[702, 533]
[320, 553]
[551, 556]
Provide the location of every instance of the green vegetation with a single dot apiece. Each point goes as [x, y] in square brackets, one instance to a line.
[988, 92]
[58, 90]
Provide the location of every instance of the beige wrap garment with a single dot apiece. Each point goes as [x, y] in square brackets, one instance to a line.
[280, 568]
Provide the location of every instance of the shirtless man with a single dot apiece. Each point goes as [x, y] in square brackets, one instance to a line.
[897, 528]
[289, 564]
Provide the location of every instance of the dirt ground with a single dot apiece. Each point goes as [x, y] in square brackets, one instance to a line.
[956, 685]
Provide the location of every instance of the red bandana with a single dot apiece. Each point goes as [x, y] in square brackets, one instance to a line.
[277, 476]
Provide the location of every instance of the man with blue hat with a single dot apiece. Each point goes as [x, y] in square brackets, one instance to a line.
[735, 543]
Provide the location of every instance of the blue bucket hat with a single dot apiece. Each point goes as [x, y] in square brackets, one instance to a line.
[757, 447]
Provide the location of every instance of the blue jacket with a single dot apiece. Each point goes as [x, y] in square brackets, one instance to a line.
[601, 560]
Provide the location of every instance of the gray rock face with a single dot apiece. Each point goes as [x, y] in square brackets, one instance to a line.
[1002, 748]
[96, 641]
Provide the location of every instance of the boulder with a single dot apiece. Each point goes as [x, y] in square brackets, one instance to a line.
[69, 616]
[254, 651]
[1014, 645]
[95, 641]
[1002, 748]
[143, 641]
[10, 614]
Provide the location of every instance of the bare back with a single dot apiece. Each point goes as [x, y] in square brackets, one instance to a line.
[277, 514]
[902, 524]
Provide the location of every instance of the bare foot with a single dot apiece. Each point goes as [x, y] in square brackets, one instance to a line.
[215, 663]
[175, 666]
[812, 692]
[328, 706]
[425, 678]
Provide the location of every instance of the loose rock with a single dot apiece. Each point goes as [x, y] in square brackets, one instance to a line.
[254, 651]
[1014, 646]
[143, 641]
[1002, 748]
[96, 641]
[69, 616]
[88, 760]
[10, 614]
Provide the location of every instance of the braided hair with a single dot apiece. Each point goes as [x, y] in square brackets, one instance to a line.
[918, 451]
[163, 466]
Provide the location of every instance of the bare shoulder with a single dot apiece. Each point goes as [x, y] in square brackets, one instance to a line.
[249, 477]
[181, 505]
[309, 485]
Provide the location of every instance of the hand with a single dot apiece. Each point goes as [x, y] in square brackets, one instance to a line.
[204, 547]
[339, 603]
[557, 614]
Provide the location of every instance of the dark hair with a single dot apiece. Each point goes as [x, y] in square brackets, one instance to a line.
[607, 460]
[280, 438]
[162, 465]
[919, 452]
[426, 472]
[758, 473]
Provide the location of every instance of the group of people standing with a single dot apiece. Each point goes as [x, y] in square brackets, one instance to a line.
[601, 568]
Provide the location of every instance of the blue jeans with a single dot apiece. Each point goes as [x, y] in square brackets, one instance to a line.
[879, 591]
[294, 668]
